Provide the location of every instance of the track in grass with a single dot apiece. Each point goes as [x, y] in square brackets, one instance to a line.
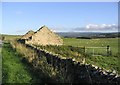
[14, 70]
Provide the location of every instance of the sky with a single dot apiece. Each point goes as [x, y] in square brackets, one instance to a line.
[20, 17]
[60, 0]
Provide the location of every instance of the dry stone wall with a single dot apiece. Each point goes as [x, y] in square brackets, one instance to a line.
[75, 72]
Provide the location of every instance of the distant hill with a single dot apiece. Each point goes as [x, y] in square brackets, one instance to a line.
[86, 35]
[89, 34]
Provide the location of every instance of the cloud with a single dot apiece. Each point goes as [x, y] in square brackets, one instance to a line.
[98, 28]
[101, 27]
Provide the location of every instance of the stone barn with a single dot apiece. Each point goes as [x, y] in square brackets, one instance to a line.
[44, 36]
[26, 36]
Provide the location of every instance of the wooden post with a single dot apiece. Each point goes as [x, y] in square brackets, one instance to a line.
[108, 50]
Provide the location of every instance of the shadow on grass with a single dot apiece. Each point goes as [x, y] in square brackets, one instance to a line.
[37, 75]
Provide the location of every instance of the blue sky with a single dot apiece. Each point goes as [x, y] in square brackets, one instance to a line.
[19, 17]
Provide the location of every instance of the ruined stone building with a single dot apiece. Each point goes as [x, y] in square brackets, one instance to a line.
[43, 36]
[27, 35]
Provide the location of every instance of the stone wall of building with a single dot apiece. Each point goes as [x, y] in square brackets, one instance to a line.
[44, 36]
[27, 35]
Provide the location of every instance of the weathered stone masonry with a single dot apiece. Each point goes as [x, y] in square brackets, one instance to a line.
[75, 72]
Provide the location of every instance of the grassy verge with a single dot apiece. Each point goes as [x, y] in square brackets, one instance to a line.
[65, 51]
[0, 64]
[14, 70]
[42, 71]
[110, 63]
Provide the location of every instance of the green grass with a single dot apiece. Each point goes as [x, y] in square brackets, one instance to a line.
[0, 64]
[110, 62]
[65, 51]
[11, 61]
[103, 42]
[107, 62]
[14, 69]
[18, 61]
[10, 37]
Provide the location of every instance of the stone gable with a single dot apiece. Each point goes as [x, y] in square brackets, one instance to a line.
[27, 35]
[44, 36]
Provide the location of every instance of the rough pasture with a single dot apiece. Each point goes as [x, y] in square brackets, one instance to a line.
[102, 42]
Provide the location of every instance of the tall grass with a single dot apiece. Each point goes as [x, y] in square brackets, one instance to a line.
[13, 70]
[65, 51]
[45, 71]
[19, 68]
[0, 64]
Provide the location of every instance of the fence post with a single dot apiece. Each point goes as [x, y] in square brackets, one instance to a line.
[108, 50]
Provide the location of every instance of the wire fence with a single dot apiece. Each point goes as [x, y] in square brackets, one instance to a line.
[98, 51]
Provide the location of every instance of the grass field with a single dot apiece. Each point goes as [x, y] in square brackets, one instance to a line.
[107, 62]
[100, 42]
[110, 62]
[10, 37]
[14, 69]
